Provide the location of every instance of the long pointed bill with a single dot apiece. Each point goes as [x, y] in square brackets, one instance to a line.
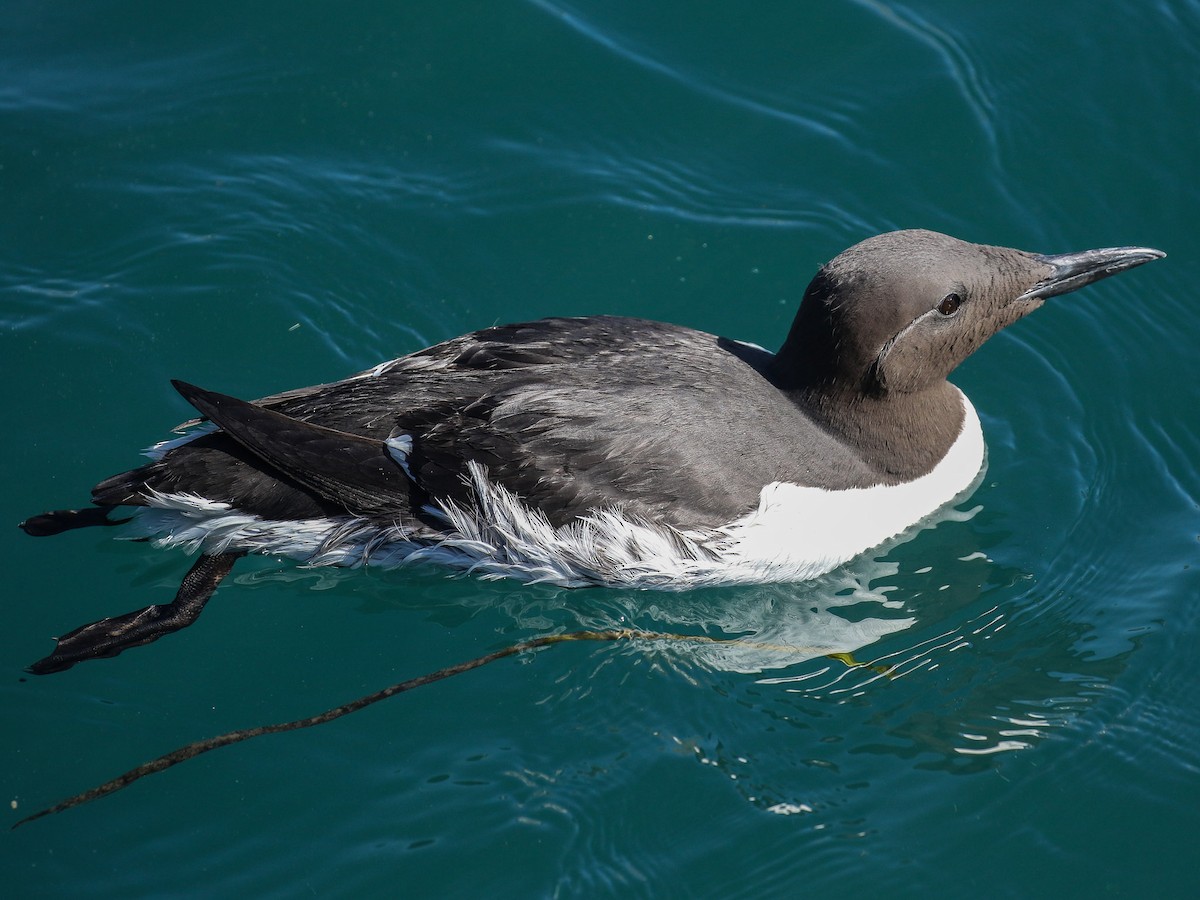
[1071, 271]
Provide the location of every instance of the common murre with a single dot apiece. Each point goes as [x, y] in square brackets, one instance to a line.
[601, 450]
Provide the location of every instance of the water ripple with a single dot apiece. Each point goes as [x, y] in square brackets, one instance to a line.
[123, 90]
[958, 61]
[623, 47]
[673, 188]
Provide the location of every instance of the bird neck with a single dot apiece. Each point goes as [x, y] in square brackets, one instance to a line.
[899, 435]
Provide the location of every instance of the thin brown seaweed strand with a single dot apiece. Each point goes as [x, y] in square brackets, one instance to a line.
[204, 745]
[188, 751]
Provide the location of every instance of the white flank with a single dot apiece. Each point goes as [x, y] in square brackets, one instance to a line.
[795, 534]
[162, 448]
[399, 449]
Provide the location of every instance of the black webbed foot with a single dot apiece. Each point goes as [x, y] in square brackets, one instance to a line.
[61, 520]
[111, 636]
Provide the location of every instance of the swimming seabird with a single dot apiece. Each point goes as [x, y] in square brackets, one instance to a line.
[601, 450]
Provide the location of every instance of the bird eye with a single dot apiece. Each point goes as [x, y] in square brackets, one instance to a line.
[950, 304]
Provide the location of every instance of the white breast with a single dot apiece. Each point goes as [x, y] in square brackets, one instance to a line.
[809, 531]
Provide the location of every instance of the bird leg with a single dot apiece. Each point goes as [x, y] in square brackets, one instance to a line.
[111, 636]
[61, 520]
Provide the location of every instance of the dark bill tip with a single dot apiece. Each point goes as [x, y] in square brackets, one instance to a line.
[1071, 271]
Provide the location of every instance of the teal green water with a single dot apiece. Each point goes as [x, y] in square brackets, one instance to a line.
[260, 196]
